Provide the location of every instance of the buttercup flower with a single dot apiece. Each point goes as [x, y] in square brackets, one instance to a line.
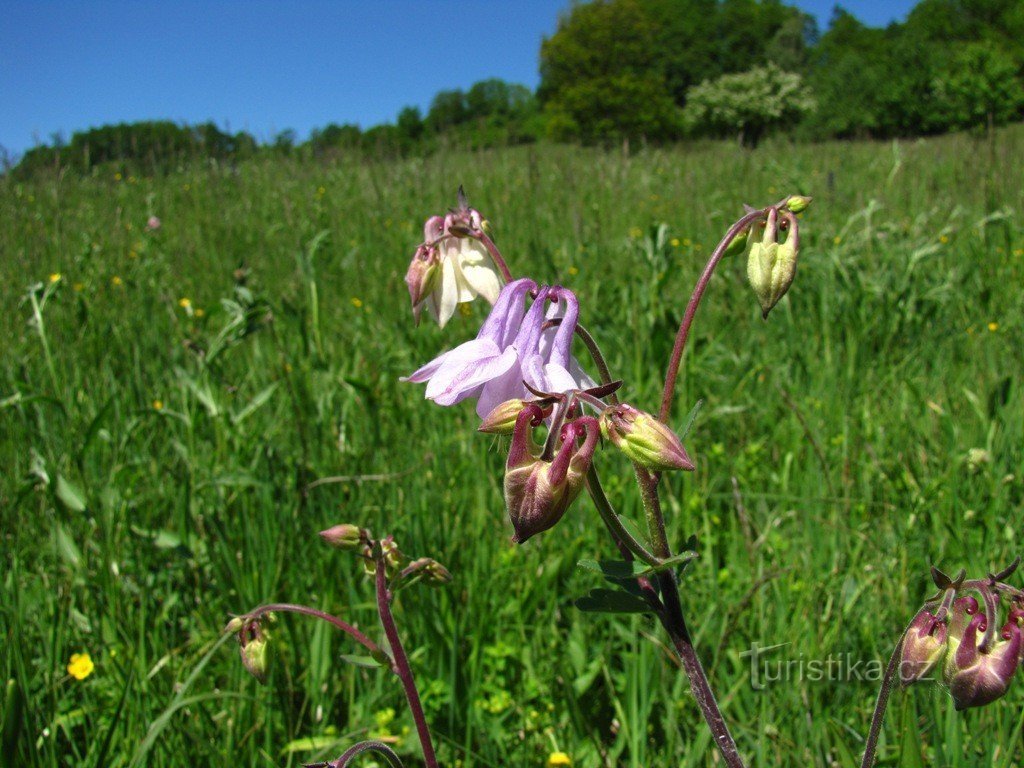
[452, 266]
[559, 760]
[80, 666]
[512, 347]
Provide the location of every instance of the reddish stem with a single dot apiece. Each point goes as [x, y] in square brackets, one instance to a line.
[305, 610]
[691, 310]
[401, 661]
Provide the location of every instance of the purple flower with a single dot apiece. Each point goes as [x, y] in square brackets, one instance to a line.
[513, 347]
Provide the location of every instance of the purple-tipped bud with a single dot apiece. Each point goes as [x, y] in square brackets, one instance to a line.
[923, 646]
[345, 536]
[502, 418]
[537, 491]
[960, 616]
[423, 277]
[431, 571]
[644, 439]
[253, 642]
[982, 677]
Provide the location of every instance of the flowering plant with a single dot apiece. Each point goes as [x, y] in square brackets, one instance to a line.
[521, 372]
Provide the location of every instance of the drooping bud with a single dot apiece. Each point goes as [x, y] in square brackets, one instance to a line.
[923, 647]
[798, 203]
[502, 418]
[644, 439]
[345, 536]
[233, 626]
[961, 614]
[423, 277]
[431, 571]
[538, 491]
[771, 265]
[982, 677]
[253, 641]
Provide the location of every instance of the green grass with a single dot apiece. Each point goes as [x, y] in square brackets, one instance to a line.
[131, 532]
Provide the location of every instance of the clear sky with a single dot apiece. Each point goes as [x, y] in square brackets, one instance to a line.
[267, 65]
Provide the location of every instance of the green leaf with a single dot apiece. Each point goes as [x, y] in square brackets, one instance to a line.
[910, 749]
[14, 705]
[254, 404]
[614, 570]
[682, 559]
[367, 662]
[70, 495]
[311, 744]
[690, 418]
[67, 548]
[612, 601]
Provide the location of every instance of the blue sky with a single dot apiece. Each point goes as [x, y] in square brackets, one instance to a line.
[264, 66]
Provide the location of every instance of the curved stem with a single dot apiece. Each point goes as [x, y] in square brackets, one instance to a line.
[305, 610]
[603, 371]
[618, 531]
[366, 746]
[871, 745]
[691, 310]
[401, 661]
[492, 249]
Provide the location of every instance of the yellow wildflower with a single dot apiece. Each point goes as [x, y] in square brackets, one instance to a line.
[117, 176]
[116, 281]
[199, 312]
[573, 271]
[80, 666]
[559, 760]
[55, 277]
[184, 302]
[158, 405]
[943, 239]
[837, 240]
[686, 241]
[993, 326]
[357, 302]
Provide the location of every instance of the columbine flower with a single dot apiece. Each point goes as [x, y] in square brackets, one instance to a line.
[982, 675]
[513, 347]
[539, 489]
[452, 266]
[80, 666]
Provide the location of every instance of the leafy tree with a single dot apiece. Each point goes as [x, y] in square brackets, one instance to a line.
[981, 88]
[748, 104]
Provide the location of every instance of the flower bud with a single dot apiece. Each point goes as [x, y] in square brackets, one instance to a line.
[431, 570]
[502, 418]
[423, 277]
[538, 491]
[233, 626]
[345, 536]
[253, 650]
[798, 203]
[771, 266]
[982, 677]
[644, 439]
[923, 646]
[961, 614]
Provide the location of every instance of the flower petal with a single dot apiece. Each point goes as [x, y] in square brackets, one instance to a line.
[446, 294]
[454, 383]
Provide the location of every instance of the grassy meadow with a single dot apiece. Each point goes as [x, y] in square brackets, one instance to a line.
[172, 440]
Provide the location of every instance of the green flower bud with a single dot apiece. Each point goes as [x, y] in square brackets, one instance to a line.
[771, 266]
[798, 203]
[644, 439]
[254, 656]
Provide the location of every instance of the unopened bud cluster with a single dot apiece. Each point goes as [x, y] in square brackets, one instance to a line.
[963, 648]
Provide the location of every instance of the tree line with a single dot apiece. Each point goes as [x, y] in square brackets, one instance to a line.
[661, 71]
